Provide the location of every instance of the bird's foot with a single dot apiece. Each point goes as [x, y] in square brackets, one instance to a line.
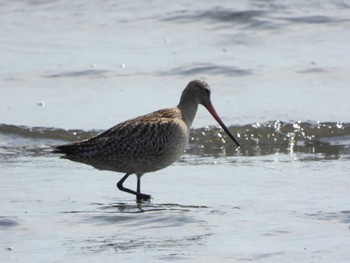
[142, 198]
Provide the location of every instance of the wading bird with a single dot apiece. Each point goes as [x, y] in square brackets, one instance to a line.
[147, 143]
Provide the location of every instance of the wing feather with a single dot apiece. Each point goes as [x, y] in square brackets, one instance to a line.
[146, 135]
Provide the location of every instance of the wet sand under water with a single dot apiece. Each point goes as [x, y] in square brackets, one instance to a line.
[276, 208]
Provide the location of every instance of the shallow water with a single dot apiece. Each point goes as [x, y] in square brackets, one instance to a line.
[279, 78]
[275, 207]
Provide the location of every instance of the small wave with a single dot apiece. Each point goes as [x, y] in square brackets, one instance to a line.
[84, 73]
[207, 68]
[46, 133]
[216, 14]
[274, 137]
[332, 139]
[314, 19]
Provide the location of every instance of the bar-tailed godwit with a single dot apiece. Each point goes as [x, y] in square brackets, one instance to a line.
[147, 143]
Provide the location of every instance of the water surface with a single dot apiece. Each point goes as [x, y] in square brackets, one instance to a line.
[279, 79]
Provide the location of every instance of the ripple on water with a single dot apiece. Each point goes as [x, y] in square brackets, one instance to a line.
[8, 222]
[125, 228]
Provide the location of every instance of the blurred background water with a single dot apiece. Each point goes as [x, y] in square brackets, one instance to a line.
[279, 73]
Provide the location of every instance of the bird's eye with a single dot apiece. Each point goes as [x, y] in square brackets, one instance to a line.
[207, 91]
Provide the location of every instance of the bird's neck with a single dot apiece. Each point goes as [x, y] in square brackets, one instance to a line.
[188, 111]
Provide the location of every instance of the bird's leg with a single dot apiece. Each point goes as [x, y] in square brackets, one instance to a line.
[138, 184]
[122, 188]
[139, 196]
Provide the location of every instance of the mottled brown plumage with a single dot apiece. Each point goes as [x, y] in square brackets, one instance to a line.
[147, 143]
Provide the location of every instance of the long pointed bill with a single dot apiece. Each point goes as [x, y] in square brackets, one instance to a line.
[212, 111]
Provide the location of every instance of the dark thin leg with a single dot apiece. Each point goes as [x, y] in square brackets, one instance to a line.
[122, 188]
[139, 196]
[138, 184]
